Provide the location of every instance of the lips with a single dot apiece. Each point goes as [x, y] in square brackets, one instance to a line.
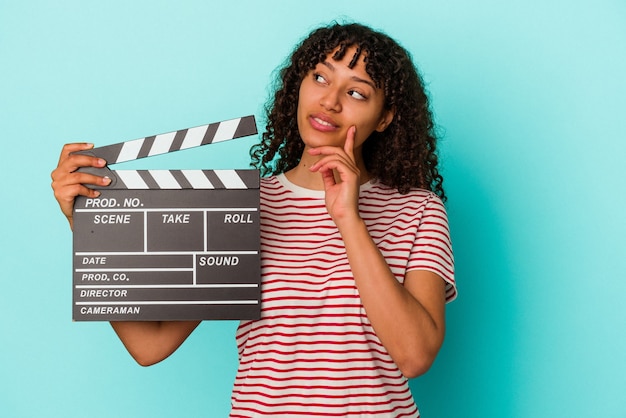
[322, 122]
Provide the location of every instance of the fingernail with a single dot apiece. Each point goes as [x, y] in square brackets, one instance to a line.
[107, 180]
[97, 193]
[101, 162]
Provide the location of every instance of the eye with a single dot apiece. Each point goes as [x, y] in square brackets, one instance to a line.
[357, 95]
[319, 78]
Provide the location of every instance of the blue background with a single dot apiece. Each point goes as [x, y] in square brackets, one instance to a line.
[530, 98]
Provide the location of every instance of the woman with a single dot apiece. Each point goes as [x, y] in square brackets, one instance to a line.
[355, 250]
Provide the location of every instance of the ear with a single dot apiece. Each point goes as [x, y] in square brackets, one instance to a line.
[385, 120]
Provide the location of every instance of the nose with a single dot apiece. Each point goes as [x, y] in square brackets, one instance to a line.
[331, 100]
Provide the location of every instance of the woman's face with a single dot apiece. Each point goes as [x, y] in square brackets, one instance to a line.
[333, 97]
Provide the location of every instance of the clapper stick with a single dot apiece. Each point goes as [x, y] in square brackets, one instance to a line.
[163, 144]
[169, 244]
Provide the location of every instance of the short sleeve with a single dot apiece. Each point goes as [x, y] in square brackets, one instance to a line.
[432, 249]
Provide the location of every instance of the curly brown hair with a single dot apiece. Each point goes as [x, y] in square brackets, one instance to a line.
[404, 155]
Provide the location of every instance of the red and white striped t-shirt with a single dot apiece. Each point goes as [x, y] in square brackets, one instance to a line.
[314, 352]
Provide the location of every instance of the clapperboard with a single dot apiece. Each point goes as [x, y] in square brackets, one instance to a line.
[168, 244]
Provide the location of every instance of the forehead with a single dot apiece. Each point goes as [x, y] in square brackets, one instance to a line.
[355, 57]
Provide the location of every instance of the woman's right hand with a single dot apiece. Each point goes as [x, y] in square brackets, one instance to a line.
[68, 183]
[147, 341]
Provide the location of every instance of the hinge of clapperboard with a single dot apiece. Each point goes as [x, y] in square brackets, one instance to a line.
[166, 143]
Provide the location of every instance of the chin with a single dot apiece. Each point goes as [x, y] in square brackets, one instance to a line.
[314, 140]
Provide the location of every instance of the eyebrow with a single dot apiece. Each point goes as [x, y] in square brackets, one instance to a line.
[354, 78]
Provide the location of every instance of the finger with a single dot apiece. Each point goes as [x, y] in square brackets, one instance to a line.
[347, 171]
[66, 196]
[69, 162]
[75, 161]
[64, 173]
[328, 178]
[333, 161]
[64, 185]
[68, 188]
[73, 147]
[327, 150]
[86, 178]
[348, 146]
[68, 193]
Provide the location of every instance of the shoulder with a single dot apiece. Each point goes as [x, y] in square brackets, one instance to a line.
[418, 207]
[271, 185]
[273, 191]
[269, 181]
[378, 193]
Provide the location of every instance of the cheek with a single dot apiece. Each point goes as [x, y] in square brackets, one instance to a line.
[364, 129]
[302, 94]
[362, 133]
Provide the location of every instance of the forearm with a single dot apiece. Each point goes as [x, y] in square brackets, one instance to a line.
[149, 342]
[411, 331]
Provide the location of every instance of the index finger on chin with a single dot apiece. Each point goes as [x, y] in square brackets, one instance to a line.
[348, 146]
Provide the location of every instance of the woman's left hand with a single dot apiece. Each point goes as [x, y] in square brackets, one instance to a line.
[341, 177]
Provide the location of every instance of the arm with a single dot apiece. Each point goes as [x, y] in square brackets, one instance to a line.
[409, 319]
[147, 342]
[153, 341]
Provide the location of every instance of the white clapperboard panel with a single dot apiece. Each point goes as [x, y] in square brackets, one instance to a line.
[169, 244]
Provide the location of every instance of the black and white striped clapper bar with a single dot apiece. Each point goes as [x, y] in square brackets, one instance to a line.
[169, 244]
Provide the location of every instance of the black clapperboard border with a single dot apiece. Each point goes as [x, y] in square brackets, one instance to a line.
[241, 297]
